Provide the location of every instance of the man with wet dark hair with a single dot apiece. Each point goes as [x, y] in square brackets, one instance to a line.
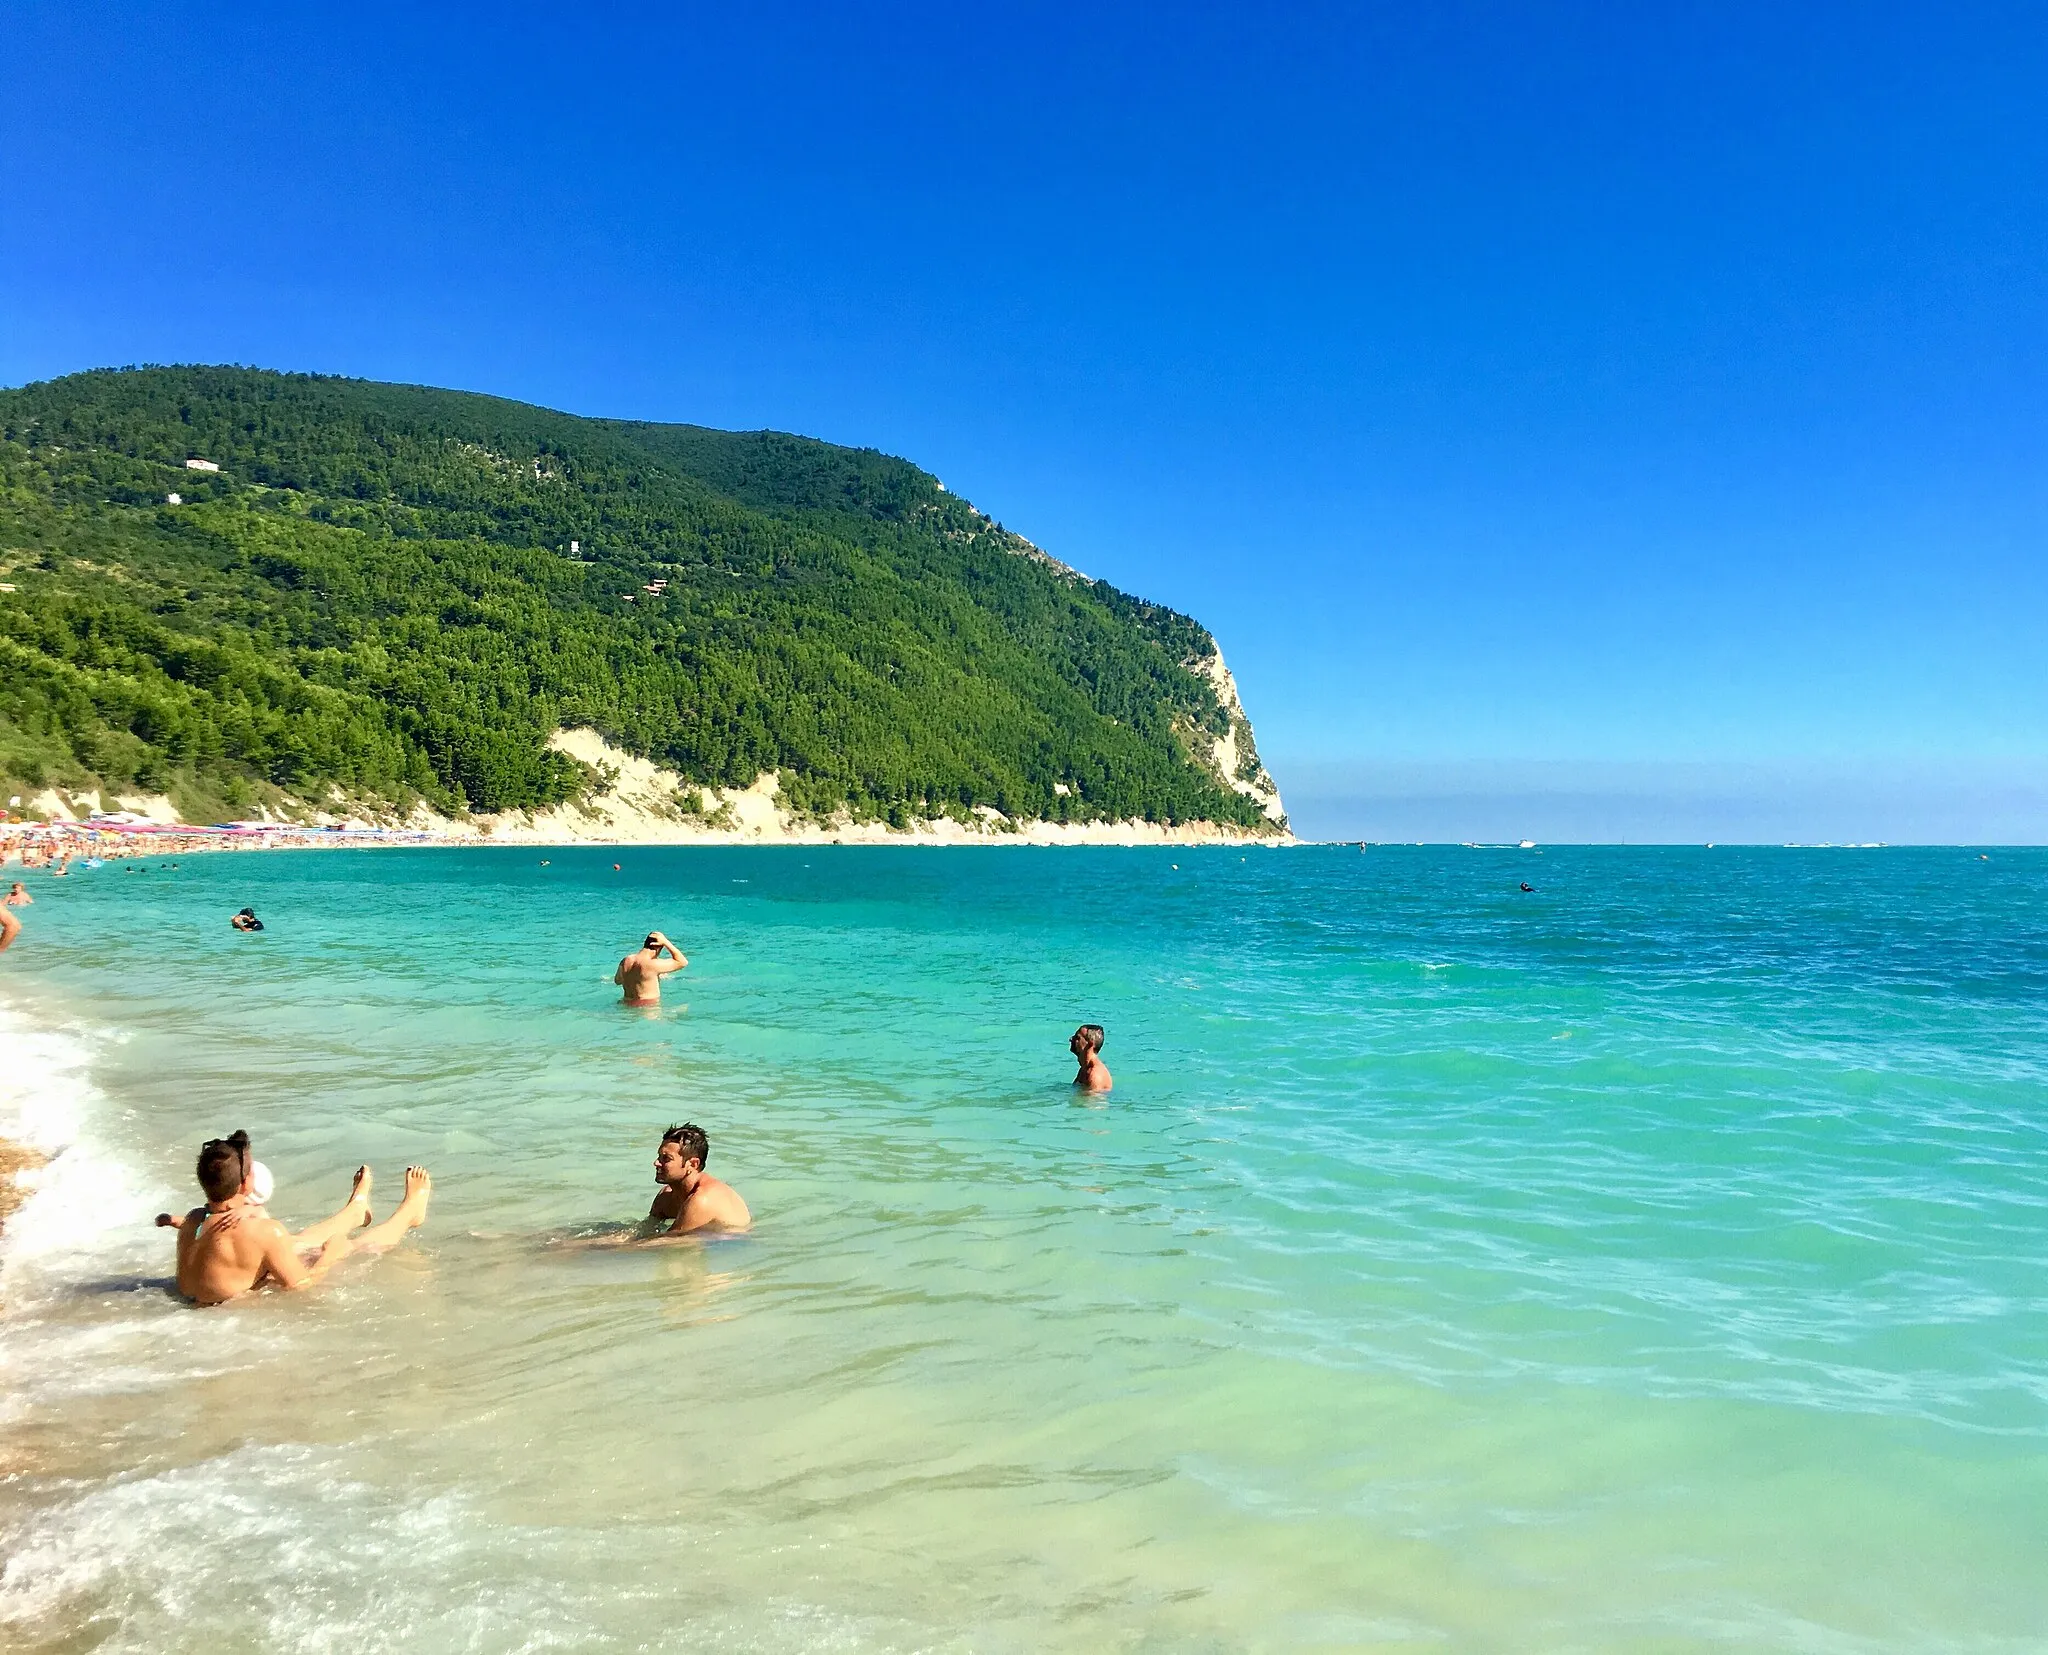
[691, 1199]
[1086, 1045]
[640, 973]
[230, 1245]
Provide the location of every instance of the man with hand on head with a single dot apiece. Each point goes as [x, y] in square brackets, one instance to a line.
[691, 1199]
[640, 973]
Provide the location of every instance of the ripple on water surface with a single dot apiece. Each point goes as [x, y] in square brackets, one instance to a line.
[1438, 1240]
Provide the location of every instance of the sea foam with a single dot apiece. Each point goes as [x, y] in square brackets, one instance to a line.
[84, 1196]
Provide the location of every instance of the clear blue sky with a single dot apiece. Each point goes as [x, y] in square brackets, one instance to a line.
[1594, 388]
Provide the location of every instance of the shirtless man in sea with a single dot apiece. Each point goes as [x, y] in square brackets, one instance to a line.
[230, 1245]
[640, 973]
[691, 1199]
[1086, 1045]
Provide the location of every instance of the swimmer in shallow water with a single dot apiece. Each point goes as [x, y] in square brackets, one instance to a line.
[17, 897]
[10, 928]
[246, 920]
[1086, 1045]
[691, 1199]
[640, 973]
[231, 1245]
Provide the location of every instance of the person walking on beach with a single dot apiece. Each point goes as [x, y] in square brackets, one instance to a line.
[691, 1199]
[231, 1246]
[17, 897]
[640, 973]
[1086, 1046]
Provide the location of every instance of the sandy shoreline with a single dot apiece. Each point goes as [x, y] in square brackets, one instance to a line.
[641, 803]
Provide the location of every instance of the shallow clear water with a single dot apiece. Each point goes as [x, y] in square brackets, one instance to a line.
[1653, 1260]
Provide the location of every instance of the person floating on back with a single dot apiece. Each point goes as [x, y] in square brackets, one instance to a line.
[231, 1245]
[691, 1199]
[1087, 1049]
[246, 920]
[640, 973]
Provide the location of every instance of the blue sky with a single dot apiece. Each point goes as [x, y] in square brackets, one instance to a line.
[1619, 402]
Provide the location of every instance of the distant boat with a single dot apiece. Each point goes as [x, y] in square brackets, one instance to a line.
[1526, 844]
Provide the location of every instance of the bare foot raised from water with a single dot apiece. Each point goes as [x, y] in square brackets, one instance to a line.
[413, 1209]
[411, 1213]
[359, 1196]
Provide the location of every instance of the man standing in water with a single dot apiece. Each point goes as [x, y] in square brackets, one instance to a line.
[690, 1198]
[1086, 1046]
[640, 973]
[230, 1245]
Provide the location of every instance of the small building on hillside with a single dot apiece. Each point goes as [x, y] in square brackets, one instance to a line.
[201, 465]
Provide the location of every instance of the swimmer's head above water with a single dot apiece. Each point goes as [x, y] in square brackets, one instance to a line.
[224, 1166]
[681, 1147]
[1086, 1045]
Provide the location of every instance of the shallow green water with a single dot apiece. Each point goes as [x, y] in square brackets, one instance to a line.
[1654, 1260]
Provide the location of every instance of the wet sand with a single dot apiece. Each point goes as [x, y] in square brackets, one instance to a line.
[15, 1159]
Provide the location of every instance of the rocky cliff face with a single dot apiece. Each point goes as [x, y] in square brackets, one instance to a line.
[1234, 756]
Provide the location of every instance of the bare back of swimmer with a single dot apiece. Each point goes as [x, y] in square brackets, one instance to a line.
[640, 973]
[231, 1246]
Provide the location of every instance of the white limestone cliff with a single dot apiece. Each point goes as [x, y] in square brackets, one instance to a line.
[1233, 756]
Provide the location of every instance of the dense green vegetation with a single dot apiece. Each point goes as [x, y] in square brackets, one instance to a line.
[398, 593]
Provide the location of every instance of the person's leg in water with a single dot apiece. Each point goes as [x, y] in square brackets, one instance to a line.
[355, 1213]
[412, 1212]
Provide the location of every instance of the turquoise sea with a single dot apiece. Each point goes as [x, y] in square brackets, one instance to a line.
[1654, 1260]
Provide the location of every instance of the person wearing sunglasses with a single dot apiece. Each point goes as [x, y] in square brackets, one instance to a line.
[231, 1245]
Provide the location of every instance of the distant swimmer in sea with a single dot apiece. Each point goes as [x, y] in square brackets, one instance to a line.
[246, 920]
[17, 897]
[231, 1245]
[1527, 886]
[691, 1199]
[640, 973]
[10, 928]
[1087, 1049]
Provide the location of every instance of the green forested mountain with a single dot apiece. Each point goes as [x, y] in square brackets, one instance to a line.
[399, 592]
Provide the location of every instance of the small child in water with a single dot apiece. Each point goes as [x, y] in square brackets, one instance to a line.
[1086, 1046]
